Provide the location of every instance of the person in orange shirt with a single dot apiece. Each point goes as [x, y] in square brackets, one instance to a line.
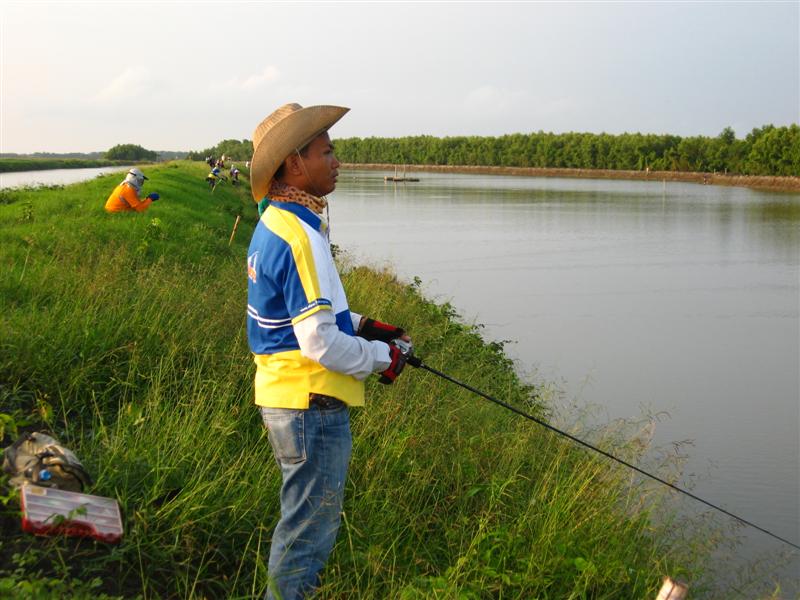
[125, 196]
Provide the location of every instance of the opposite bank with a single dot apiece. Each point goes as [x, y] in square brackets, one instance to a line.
[763, 182]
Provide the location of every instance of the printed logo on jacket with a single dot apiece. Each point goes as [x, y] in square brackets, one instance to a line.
[251, 266]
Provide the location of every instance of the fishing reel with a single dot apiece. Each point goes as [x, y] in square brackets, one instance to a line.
[407, 350]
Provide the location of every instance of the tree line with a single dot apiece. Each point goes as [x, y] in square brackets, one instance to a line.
[767, 150]
[232, 149]
[53, 155]
[122, 152]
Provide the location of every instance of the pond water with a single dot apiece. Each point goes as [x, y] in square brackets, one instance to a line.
[673, 299]
[54, 176]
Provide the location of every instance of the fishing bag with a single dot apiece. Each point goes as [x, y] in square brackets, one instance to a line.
[42, 460]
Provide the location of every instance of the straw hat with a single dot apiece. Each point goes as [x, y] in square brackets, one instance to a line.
[287, 129]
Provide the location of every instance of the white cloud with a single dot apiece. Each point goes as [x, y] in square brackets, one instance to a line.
[268, 74]
[132, 82]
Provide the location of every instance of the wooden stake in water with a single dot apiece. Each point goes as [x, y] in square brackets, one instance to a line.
[235, 225]
[672, 590]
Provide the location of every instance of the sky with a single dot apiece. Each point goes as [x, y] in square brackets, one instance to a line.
[85, 76]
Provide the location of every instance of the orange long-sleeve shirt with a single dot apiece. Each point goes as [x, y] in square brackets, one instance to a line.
[126, 198]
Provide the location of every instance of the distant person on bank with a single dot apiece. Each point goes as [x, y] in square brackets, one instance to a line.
[312, 353]
[125, 196]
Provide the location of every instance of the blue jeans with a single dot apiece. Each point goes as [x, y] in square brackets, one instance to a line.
[312, 448]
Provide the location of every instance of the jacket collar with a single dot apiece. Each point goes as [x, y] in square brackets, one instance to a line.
[303, 213]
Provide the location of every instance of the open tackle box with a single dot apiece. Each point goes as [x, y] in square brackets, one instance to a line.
[50, 511]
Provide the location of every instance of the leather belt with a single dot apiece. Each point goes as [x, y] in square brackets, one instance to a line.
[323, 402]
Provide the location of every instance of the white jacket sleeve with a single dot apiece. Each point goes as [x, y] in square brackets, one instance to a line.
[356, 318]
[321, 340]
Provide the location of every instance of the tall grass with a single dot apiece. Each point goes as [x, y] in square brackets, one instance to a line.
[125, 336]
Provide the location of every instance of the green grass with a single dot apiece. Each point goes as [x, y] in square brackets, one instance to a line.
[9, 165]
[124, 335]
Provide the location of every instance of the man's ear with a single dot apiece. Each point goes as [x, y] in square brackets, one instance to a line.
[292, 164]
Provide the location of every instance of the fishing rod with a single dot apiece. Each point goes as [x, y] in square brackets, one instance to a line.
[415, 361]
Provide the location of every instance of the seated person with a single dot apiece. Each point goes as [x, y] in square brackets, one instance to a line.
[125, 196]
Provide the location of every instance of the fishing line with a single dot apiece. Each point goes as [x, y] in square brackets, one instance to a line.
[415, 361]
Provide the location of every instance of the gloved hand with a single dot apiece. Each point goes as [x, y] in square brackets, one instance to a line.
[396, 367]
[370, 329]
[153, 196]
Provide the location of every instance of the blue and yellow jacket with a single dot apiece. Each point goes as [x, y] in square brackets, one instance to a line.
[291, 275]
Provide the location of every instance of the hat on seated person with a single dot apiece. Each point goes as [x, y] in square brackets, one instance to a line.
[136, 178]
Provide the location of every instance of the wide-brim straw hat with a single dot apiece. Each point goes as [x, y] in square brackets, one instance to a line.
[285, 131]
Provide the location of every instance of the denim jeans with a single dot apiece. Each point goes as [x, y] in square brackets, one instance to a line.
[312, 448]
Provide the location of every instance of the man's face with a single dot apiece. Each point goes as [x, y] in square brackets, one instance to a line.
[320, 166]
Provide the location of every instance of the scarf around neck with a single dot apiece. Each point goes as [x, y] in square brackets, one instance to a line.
[287, 193]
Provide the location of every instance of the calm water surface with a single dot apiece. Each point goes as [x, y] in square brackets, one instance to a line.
[638, 297]
[54, 176]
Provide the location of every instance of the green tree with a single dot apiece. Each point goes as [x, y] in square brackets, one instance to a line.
[765, 151]
[232, 149]
[130, 152]
[775, 151]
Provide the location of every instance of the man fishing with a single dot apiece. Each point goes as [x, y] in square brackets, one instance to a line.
[125, 196]
[312, 353]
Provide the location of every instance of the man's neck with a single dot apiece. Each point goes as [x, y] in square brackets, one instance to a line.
[298, 184]
[283, 192]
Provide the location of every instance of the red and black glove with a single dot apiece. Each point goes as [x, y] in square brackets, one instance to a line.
[398, 362]
[370, 329]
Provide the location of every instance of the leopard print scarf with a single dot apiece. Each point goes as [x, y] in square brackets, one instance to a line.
[287, 193]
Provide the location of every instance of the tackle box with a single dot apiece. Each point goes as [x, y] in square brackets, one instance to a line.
[49, 511]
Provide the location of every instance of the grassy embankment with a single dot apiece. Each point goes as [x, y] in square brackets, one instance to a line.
[762, 182]
[10, 165]
[125, 336]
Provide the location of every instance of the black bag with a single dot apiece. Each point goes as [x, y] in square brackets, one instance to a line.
[40, 459]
